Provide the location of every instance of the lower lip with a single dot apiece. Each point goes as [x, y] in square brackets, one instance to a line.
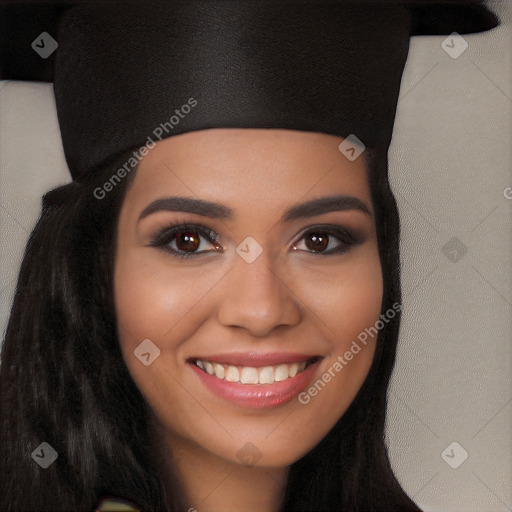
[257, 395]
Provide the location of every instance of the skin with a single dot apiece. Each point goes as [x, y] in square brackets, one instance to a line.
[215, 302]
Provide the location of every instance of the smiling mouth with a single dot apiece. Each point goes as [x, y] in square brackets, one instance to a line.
[253, 375]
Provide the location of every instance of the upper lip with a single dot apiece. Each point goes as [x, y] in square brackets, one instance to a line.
[256, 359]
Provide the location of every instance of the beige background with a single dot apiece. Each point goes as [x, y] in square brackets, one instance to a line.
[450, 165]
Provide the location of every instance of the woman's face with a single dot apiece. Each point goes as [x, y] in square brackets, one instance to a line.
[280, 276]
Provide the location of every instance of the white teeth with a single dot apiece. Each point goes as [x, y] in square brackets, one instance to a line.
[209, 367]
[281, 372]
[267, 375]
[251, 375]
[219, 370]
[232, 374]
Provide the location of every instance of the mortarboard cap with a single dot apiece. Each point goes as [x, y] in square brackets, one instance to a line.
[129, 73]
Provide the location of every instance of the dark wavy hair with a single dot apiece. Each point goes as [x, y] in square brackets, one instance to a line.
[63, 379]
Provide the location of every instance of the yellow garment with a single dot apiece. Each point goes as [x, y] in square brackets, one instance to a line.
[116, 505]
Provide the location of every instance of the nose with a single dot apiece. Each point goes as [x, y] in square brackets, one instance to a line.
[257, 299]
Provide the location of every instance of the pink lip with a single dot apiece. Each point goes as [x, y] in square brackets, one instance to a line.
[257, 395]
[256, 359]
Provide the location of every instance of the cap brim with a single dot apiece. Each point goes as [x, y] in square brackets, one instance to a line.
[21, 23]
[437, 17]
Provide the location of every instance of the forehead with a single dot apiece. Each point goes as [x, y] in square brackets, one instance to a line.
[249, 167]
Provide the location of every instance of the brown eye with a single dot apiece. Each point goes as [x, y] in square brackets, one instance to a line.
[326, 240]
[184, 240]
[187, 241]
[317, 242]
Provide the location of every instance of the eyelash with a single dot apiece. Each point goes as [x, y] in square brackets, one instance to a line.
[164, 237]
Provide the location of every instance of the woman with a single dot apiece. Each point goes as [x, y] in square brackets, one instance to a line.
[217, 309]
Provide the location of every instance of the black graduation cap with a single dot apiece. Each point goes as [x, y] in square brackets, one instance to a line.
[126, 73]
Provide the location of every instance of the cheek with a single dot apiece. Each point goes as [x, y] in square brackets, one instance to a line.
[356, 301]
[348, 297]
[350, 310]
[152, 302]
[147, 306]
[353, 307]
[151, 299]
[347, 303]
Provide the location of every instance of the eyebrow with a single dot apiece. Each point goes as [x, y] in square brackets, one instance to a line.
[218, 211]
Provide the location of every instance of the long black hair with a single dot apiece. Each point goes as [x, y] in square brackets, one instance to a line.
[63, 380]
